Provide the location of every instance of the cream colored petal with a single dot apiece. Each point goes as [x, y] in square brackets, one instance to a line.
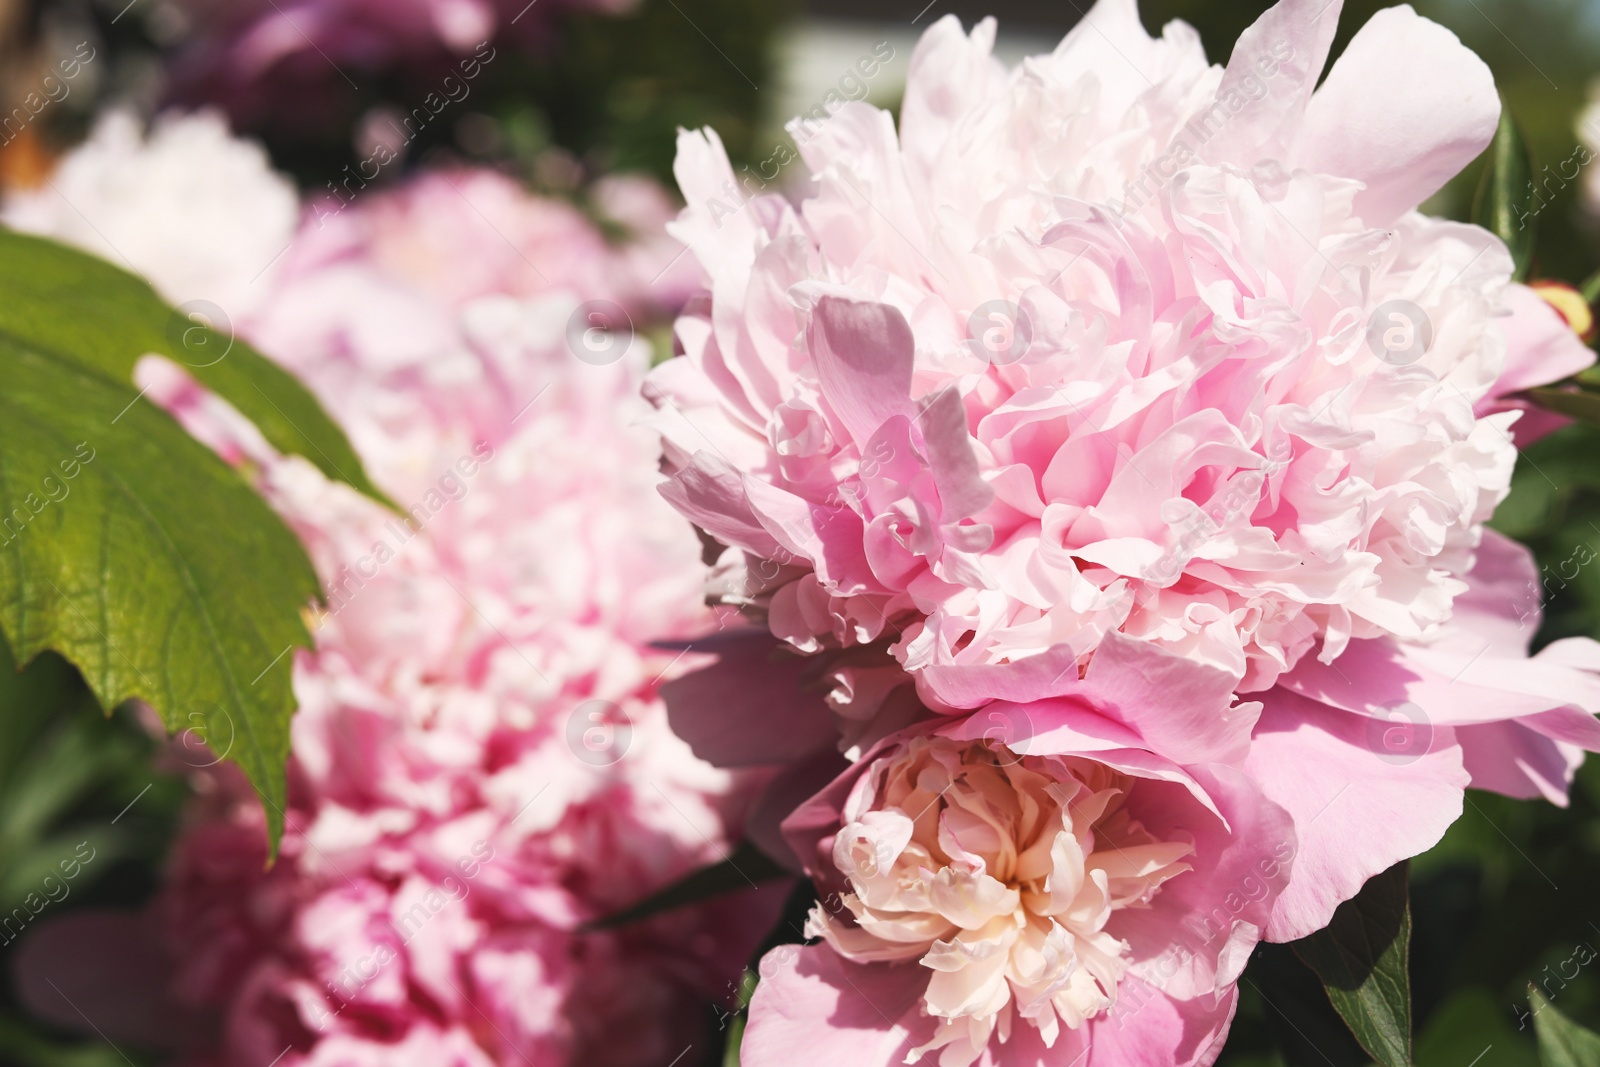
[971, 899]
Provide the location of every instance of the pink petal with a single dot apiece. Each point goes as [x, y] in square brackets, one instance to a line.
[1357, 809]
[1069, 726]
[1501, 607]
[830, 538]
[1404, 109]
[1514, 760]
[810, 827]
[1540, 349]
[710, 494]
[1182, 708]
[712, 195]
[864, 357]
[1050, 673]
[1449, 687]
[757, 705]
[1212, 916]
[1285, 49]
[1111, 42]
[1178, 706]
[1521, 722]
[790, 789]
[1147, 1027]
[948, 73]
[962, 490]
[813, 1007]
[1044, 727]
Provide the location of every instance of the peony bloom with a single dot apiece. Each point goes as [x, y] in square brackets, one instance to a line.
[983, 906]
[481, 763]
[142, 203]
[930, 924]
[1093, 397]
[1370, 755]
[1116, 346]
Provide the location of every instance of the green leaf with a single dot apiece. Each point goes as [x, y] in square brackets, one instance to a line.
[88, 311]
[1562, 1042]
[746, 868]
[1580, 404]
[1362, 957]
[1505, 204]
[126, 545]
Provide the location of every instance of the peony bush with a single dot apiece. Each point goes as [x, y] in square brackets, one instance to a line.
[1054, 549]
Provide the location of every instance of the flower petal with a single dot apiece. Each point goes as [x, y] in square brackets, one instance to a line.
[1357, 809]
[815, 1007]
[1404, 109]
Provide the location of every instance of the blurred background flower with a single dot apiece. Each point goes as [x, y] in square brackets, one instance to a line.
[481, 763]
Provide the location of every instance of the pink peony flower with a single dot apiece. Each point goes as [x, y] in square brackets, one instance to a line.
[1241, 438]
[140, 202]
[482, 764]
[984, 906]
[1360, 764]
[1116, 345]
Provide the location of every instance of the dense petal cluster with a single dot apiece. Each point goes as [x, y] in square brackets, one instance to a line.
[481, 763]
[999, 874]
[1024, 903]
[1114, 342]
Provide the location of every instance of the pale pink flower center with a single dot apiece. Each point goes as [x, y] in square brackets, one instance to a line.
[998, 873]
